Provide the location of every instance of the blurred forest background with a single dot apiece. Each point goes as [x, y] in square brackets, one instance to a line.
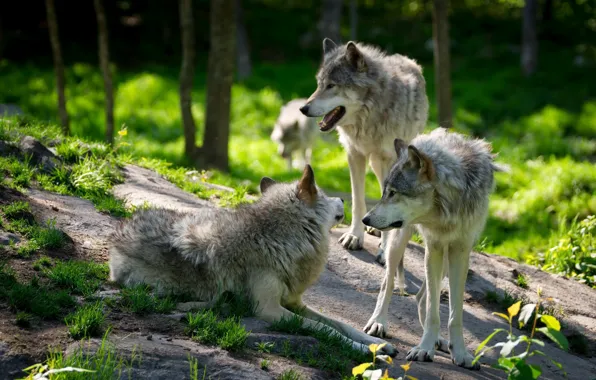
[522, 73]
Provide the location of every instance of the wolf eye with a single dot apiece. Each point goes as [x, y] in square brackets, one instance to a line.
[391, 193]
[330, 86]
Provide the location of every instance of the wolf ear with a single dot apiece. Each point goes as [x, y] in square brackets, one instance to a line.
[266, 183]
[355, 57]
[328, 45]
[400, 145]
[422, 162]
[307, 190]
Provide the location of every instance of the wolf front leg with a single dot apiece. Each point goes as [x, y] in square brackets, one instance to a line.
[398, 240]
[354, 238]
[433, 260]
[459, 261]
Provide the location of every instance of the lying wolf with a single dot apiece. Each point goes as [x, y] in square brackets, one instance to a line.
[372, 98]
[441, 184]
[294, 134]
[272, 250]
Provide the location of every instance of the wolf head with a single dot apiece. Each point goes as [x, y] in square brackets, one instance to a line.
[287, 137]
[305, 197]
[342, 80]
[408, 191]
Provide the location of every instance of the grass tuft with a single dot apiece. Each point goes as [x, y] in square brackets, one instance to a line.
[86, 322]
[78, 277]
[141, 301]
[207, 328]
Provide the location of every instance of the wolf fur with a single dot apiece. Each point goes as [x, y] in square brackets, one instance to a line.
[272, 251]
[384, 98]
[294, 134]
[441, 184]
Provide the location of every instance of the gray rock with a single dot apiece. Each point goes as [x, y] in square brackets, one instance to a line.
[8, 149]
[6, 238]
[40, 155]
[10, 110]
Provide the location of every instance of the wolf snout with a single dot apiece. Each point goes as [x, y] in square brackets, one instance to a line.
[366, 221]
[304, 109]
[397, 224]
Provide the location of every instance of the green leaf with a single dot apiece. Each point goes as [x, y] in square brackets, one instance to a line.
[514, 309]
[551, 322]
[556, 337]
[526, 314]
[505, 363]
[538, 342]
[488, 338]
[522, 371]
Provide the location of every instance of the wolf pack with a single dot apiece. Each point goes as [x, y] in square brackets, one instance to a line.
[274, 249]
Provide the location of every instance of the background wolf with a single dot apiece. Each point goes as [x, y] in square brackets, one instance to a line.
[441, 183]
[294, 134]
[372, 98]
[272, 250]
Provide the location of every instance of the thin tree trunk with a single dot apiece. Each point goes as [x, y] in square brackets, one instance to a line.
[187, 72]
[220, 75]
[353, 19]
[442, 62]
[104, 61]
[58, 65]
[330, 22]
[243, 51]
[529, 51]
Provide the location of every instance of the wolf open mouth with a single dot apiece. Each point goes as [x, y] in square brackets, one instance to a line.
[330, 120]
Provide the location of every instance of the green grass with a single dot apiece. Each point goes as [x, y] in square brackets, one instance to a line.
[290, 374]
[78, 277]
[103, 364]
[207, 328]
[141, 301]
[332, 353]
[32, 297]
[264, 365]
[522, 281]
[23, 319]
[86, 322]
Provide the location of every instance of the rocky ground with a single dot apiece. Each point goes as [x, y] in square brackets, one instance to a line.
[347, 291]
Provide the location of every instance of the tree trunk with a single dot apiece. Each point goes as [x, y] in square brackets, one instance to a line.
[58, 65]
[187, 72]
[442, 62]
[547, 10]
[104, 62]
[243, 52]
[529, 50]
[353, 19]
[330, 22]
[220, 75]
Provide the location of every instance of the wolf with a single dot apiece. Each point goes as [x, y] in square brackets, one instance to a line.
[294, 134]
[371, 98]
[271, 251]
[440, 183]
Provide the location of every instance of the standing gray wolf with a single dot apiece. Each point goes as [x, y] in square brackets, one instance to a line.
[372, 98]
[272, 251]
[294, 133]
[441, 183]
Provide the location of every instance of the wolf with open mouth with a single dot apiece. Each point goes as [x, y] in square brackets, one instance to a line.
[371, 98]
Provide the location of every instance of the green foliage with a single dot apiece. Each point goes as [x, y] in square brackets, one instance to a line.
[515, 365]
[78, 277]
[207, 328]
[23, 319]
[265, 365]
[103, 364]
[140, 300]
[290, 374]
[86, 322]
[368, 371]
[574, 255]
[522, 281]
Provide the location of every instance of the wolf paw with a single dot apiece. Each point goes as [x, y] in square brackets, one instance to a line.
[419, 354]
[463, 358]
[373, 231]
[351, 241]
[381, 257]
[375, 327]
[388, 349]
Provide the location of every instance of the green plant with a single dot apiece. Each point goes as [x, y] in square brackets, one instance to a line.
[264, 347]
[205, 327]
[522, 281]
[194, 368]
[79, 277]
[86, 322]
[515, 366]
[42, 263]
[265, 365]
[23, 319]
[140, 300]
[290, 374]
[366, 373]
